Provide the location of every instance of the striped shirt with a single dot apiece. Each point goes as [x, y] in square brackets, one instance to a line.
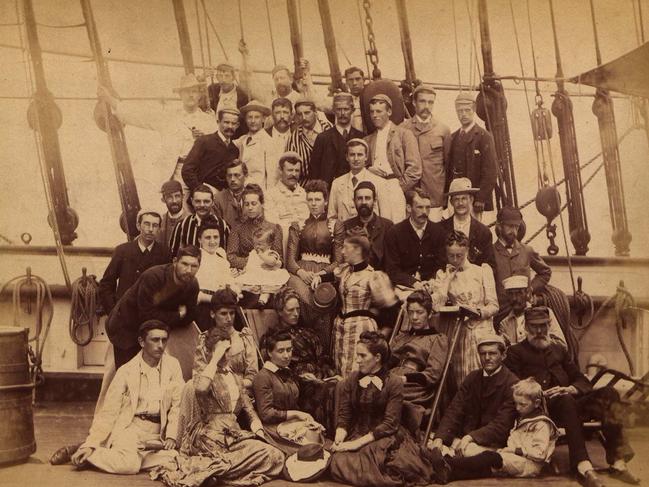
[299, 142]
[186, 233]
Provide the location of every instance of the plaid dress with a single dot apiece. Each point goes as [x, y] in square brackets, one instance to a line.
[359, 289]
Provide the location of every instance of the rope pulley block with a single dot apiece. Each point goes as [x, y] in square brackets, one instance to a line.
[548, 204]
[541, 121]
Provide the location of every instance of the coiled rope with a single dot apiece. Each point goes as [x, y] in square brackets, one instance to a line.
[43, 305]
[83, 309]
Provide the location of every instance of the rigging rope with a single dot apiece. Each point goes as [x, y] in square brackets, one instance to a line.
[216, 33]
[208, 44]
[457, 49]
[270, 30]
[200, 33]
[30, 88]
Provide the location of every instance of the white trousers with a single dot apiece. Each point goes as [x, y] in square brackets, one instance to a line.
[127, 455]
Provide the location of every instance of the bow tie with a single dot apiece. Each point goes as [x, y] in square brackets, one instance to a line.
[371, 379]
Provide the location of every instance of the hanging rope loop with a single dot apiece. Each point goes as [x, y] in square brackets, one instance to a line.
[83, 309]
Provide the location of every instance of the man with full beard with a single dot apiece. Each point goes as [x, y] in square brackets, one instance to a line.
[368, 223]
[172, 197]
[571, 398]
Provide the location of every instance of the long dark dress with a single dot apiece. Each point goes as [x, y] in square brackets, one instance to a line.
[316, 397]
[314, 245]
[393, 458]
[276, 392]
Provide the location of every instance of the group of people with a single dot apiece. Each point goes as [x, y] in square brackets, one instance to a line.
[341, 236]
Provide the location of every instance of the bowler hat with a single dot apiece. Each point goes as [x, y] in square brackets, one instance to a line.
[188, 81]
[509, 215]
[537, 315]
[307, 464]
[255, 106]
[324, 296]
[461, 186]
[383, 98]
[171, 186]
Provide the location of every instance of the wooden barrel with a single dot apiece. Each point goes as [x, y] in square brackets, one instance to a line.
[17, 440]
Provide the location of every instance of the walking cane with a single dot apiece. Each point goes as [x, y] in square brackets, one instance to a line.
[438, 394]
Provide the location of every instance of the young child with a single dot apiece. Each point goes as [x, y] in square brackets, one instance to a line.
[529, 446]
[263, 274]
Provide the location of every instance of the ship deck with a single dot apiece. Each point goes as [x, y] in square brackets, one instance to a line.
[57, 424]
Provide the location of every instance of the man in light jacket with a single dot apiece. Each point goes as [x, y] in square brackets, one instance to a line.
[136, 427]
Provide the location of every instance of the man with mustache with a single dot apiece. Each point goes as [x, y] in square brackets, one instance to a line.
[164, 292]
[286, 201]
[281, 111]
[432, 135]
[515, 258]
[186, 231]
[227, 203]
[342, 204]
[132, 258]
[228, 92]
[461, 197]
[367, 222]
[512, 327]
[472, 154]
[309, 123]
[412, 247]
[172, 197]
[571, 398]
[206, 162]
[329, 156]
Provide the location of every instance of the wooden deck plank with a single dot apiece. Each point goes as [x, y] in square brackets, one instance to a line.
[67, 423]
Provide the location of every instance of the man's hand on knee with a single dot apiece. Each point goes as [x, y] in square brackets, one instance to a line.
[81, 455]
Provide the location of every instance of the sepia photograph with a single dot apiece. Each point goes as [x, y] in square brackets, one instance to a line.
[370, 243]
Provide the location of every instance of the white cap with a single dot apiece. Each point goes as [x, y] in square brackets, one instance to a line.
[516, 282]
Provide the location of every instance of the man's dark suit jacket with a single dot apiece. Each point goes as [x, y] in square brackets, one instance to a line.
[155, 295]
[478, 159]
[328, 159]
[481, 247]
[207, 160]
[377, 228]
[405, 254]
[214, 91]
[550, 367]
[483, 407]
[124, 268]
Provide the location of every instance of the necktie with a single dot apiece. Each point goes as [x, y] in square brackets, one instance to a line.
[248, 140]
[345, 134]
[354, 181]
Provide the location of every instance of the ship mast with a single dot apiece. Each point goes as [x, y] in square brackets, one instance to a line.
[44, 116]
[183, 35]
[492, 109]
[330, 45]
[109, 123]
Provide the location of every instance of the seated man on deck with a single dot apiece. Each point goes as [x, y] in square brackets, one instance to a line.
[482, 411]
[571, 399]
[136, 427]
[132, 258]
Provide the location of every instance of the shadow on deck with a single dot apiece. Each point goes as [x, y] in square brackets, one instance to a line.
[58, 424]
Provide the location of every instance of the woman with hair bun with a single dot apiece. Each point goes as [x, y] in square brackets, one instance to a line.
[370, 446]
